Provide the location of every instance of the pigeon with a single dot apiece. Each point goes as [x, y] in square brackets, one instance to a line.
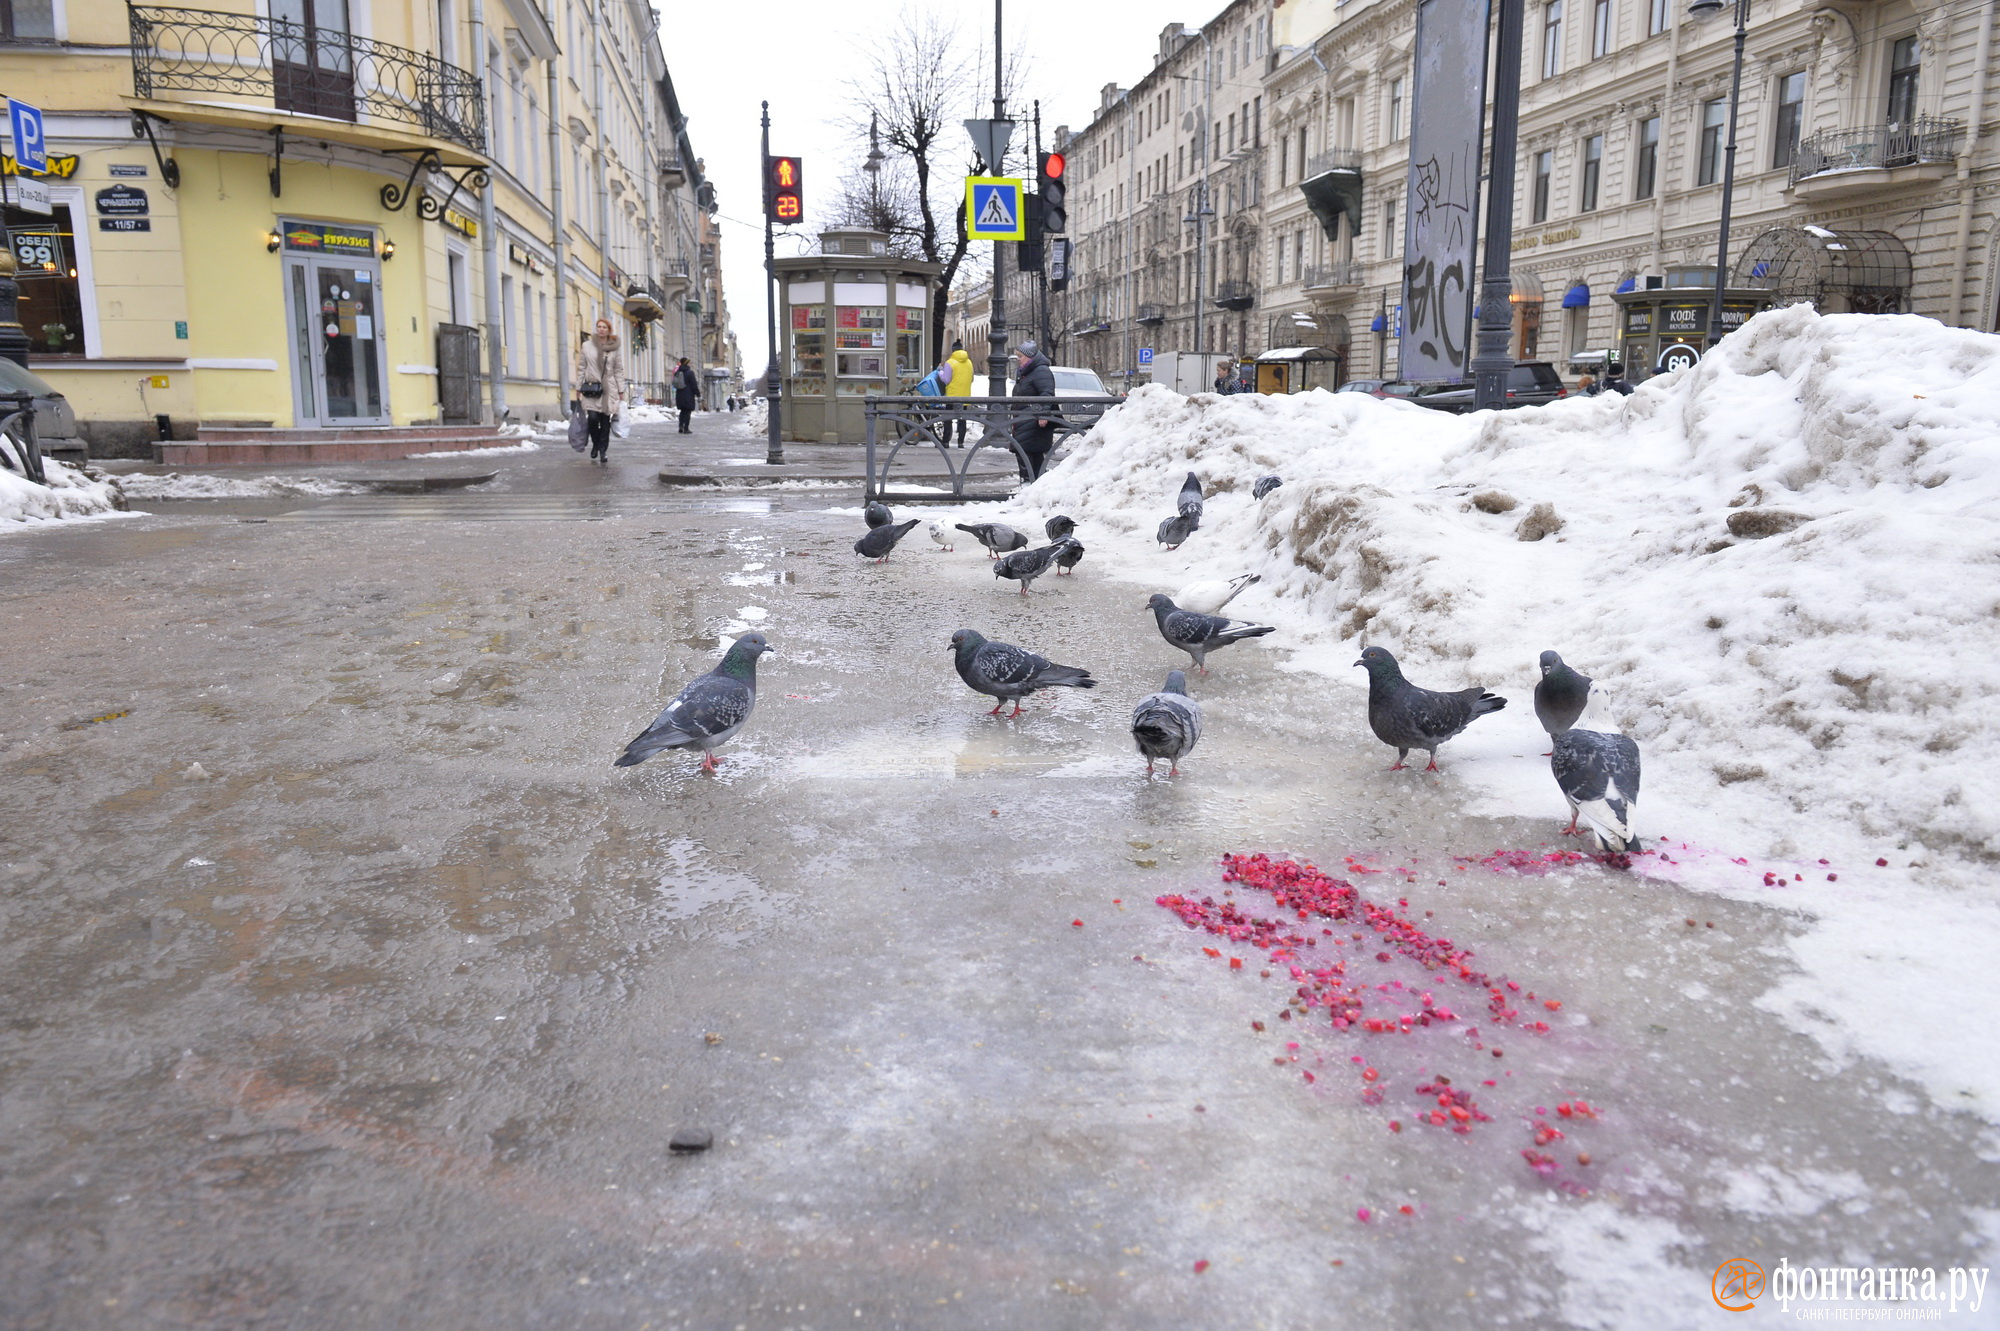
[1198, 635]
[1406, 717]
[1208, 597]
[1058, 527]
[1264, 486]
[1560, 695]
[1189, 503]
[1178, 528]
[879, 542]
[1024, 566]
[997, 537]
[878, 514]
[708, 712]
[1599, 776]
[1067, 561]
[941, 534]
[1167, 724]
[1002, 670]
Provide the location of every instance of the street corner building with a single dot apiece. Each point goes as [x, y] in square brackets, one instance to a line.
[336, 230]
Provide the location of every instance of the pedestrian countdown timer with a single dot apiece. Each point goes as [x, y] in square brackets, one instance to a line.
[993, 208]
[784, 191]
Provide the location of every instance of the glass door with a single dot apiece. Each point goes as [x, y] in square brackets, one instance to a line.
[337, 344]
[312, 58]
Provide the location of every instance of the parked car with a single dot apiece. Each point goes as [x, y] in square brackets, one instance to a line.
[1382, 388]
[55, 423]
[1074, 382]
[1531, 383]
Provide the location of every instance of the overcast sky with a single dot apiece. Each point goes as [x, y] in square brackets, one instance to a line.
[726, 58]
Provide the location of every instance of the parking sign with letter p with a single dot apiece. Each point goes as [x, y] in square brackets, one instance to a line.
[31, 148]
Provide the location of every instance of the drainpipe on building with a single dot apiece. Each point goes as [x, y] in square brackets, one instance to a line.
[1983, 62]
[564, 351]
[489, 246]
[603, 168]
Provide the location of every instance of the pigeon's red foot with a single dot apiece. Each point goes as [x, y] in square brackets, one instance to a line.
[1434, 765]
[997, 706]
[1016, 712]
[1398, 766]
[1173, 770]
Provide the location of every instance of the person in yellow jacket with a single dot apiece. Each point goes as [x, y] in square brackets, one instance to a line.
[961, 382]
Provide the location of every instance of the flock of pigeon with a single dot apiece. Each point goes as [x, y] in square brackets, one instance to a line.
[1597, 773]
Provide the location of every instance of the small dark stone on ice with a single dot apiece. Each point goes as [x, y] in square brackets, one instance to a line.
[689, 1141]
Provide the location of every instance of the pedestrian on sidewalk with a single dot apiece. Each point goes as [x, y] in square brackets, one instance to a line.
[961, 383]
[1614, 380]
[1035, 435]
[687, 392]
[600, 386]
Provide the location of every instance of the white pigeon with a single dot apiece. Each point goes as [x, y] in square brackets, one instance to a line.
[942, 535]
[1209, 596]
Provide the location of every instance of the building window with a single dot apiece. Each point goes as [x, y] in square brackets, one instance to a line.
[1648, 167]
[1395, 109]
[1281, 258]
[1545, 165]
[1656, 18]
[1593, 167]
[1904, 67]
[1229, 144]
[1552, 38]
[1600, 29]
[1708, 166]
[27, 20]
[1791, 104]
[51, 308]
[1391, 245]
[1298, 256]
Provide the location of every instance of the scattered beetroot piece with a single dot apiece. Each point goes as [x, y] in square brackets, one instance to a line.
[1363, 1214]
[1076, 924]
[1201, 1266]
[1881, 864]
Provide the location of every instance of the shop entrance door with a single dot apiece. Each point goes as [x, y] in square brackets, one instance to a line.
[337, 353]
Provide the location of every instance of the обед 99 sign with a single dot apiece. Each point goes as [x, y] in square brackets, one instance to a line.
[784, 192]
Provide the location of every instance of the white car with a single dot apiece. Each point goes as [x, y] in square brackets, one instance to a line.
[1074, 382]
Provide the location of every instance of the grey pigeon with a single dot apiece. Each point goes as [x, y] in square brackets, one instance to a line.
[1189, 502]
[1209, 596]
[1560, 695]
[708, 712]
[1058, 527]
[1406, 717]
[997, 537]
[1167, 724]
[1264, 486]
[1178, 528]
[877, 514]
[1599, 776]
[1024, 566]
[1067, 561]
[878, 543]
[1198, 635]
[1002, 670]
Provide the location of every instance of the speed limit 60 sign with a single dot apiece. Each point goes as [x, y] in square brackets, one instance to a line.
[37, 252]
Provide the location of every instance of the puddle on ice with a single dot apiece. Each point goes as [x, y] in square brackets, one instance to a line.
[938, 758]
[687, 884]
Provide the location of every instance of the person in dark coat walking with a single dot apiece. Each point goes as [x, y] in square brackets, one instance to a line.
[1035, 435]
[1614, 380]
[687, 393]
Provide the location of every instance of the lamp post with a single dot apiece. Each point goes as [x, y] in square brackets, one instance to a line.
[1199, 211]
[1701, 9]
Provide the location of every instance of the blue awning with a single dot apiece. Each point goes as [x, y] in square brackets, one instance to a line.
[1380, 324]
[1577, 297]
[1629, 284]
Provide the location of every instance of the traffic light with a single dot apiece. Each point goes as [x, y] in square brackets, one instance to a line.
[784, 191]
[1028, 253]
[1052, 187]
[1062, 262]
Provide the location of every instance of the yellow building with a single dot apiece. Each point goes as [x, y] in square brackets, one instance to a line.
[329, 229]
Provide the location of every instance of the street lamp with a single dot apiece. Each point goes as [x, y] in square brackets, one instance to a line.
[1199, 211]
[1701, 9]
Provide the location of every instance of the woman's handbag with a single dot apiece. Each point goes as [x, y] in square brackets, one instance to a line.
[590, 388]
[579, 428]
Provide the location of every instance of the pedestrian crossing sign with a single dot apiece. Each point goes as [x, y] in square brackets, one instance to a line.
[993, 208]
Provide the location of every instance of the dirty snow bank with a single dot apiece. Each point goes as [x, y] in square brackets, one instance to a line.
[70, 494]
[173, 485]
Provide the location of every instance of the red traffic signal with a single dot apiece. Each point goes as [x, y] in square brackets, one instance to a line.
[1052, 166]
[1055, 213]
[784, 191]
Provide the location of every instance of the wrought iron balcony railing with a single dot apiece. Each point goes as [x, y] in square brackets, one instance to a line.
[303, 69]
[1235, 294]
[1877, 147]
[1346, 273]
[1151, 315]
[1333, 159]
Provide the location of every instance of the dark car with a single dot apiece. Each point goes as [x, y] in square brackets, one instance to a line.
[55, 423]
[1382, 388]
[1531, 383]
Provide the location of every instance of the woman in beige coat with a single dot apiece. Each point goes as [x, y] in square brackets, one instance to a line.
[600, 387]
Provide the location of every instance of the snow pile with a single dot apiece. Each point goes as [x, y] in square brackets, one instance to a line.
[525, 446]
[173, 485]
[647, 413]
[752, 421]
[70, 494]
[1778, 565]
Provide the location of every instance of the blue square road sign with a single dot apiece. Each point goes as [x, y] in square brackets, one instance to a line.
[31, 147]
[1145, 355]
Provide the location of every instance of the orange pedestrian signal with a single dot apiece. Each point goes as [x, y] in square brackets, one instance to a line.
[784, 191]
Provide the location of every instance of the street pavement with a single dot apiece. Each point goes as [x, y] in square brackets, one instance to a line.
[347, 984]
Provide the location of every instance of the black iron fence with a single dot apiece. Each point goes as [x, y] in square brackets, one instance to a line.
[978, 423]
[20, 450]
[1920, 139]
[305, 69]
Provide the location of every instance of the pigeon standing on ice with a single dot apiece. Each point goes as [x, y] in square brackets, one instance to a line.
[941, 535]
[1208, 597]
[708, 712]
[1560, 695]
[1406, 717]
[1178, 528]
[997, 537]
[1189, 503]
[1198, 635]
[880, 541]
[1024, 566]
[1264, 486]
[1599, 776]
[1167, 724]
[877, 514]
[1058, 527]
[1067, 561]
[1002, 670]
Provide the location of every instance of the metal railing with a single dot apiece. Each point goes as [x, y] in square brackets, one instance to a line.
[20, 450]
[1877, 147]
[300, 68]
[895, 423]
[1346, 273]
[671, 165]
[1150, 314]
[1235, 294]
[1333, 159]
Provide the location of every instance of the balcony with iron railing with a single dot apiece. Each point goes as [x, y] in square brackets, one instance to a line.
[673, 172]
[269, 64]
[1333, 159]
[1152, 316]
[1235, 294]
[1329, 279]
[1840, 162]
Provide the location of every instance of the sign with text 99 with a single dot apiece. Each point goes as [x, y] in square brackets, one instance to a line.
[784, 191]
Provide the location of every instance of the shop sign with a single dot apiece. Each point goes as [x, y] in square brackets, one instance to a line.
[322, 238]
[128, 170]
[37, 251]
[32, 195]
[459, 222]
[122, 201]
[61, 165]
[1638, 321]
[124, 224]
[1734, 315]
[528, 259]
[1685, 318]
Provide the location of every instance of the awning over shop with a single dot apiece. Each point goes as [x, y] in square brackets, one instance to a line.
[1300, 354]
[1331, 193]
[1379, 324]
[1627, 284]
[1577, 297]
[1866, 272]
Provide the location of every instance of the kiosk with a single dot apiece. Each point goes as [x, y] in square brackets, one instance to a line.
[854, 321]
